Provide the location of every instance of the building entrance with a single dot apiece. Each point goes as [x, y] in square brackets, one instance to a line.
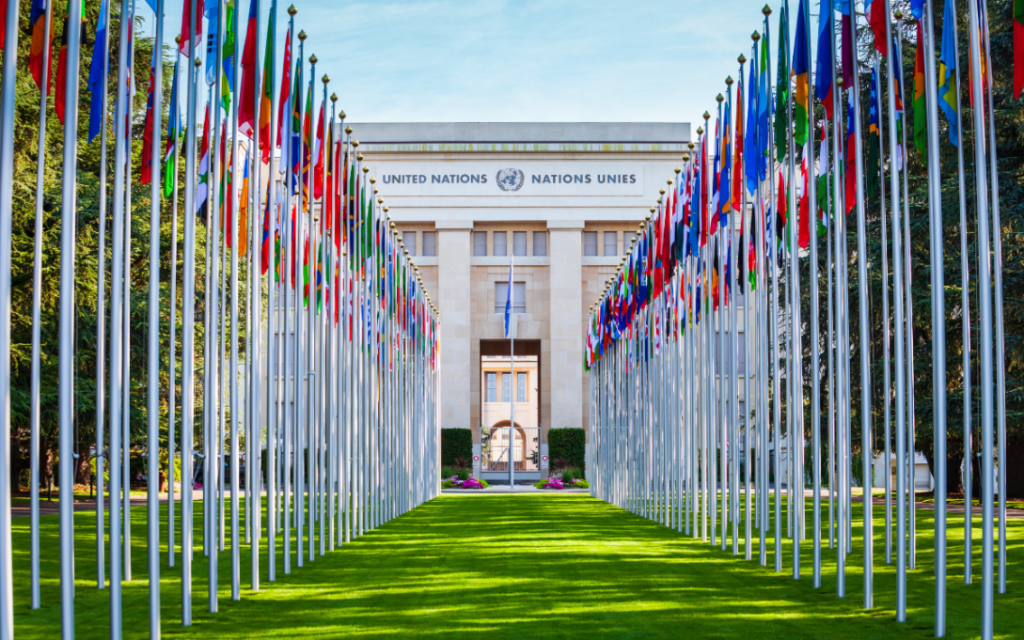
[510, 451]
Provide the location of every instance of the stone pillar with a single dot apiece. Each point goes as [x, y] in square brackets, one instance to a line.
[566, 251]
[454, 243]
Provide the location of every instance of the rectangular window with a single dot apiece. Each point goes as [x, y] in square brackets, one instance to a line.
[491, 381]
[500, 294]
[590, 243]
[479, 243]
[521, 386]
[409, 240]
[518, 297]
[519, 243]
[506, 387]
[540, 243]
[500, 243]
[429, 243]
[611, 243]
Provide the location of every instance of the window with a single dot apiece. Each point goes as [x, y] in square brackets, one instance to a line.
[518, 297]
[491, 381]
[540, 243]
[409, 240]
[590, 243]
[479, 243]
[521, 386]
[519, 243]
[500, 243]
[430, 243]
[506, 387]
[611, 243]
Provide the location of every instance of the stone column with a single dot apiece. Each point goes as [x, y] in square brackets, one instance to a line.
[566, 251]
[454, 243]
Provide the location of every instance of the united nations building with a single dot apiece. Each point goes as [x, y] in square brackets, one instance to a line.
[559, 200]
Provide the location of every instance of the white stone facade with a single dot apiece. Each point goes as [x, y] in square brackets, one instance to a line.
[561, 187]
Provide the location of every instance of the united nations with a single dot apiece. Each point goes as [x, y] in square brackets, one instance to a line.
[435, 179]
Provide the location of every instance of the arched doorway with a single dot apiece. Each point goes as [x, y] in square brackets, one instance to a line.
[500, 450]
[501, 445]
